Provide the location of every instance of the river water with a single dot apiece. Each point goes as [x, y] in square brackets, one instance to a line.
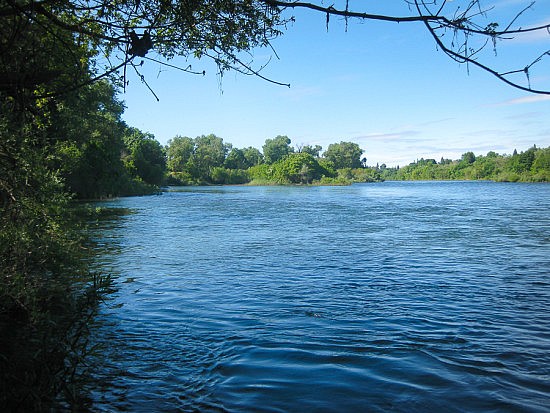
[398, 296]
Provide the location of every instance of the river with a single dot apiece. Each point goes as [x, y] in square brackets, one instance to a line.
[398, 296]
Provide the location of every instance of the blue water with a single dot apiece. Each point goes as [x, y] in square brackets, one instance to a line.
[399, 296]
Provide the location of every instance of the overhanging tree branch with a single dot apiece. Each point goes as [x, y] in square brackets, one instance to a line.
[223, 30]
[462, 23]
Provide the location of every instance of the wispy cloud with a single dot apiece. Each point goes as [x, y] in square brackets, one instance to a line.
[523, 100]
[537, 36]
[405, 135]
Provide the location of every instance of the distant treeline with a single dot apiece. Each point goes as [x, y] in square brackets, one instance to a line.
[208, 160]
[98, 155]
[101, 156]
[532, 165]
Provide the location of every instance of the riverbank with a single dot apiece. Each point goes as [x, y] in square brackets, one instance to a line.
[49, 297]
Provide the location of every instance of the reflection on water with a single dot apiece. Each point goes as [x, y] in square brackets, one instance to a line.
[394, 296]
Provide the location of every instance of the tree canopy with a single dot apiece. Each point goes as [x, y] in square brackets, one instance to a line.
[103, 38]
[344, 155]
[277, 148]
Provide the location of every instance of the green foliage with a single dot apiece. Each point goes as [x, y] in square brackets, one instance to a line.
[35, 35]
[236, 160]
[225, 176]
[328, 166]
[312, 150]
[541, 166]
[210, 152]
[207, 160]
[365, 175]
[179, 152]
[197, 158]
[145, 158]
[47, 295]
[295, 168]
[300, 168]
[179, 179]
[253, 156]
[276, 149]
[532, 165]
[95, 153]
[468, 158]
[262, 174]
[55, 140]
[344, 155]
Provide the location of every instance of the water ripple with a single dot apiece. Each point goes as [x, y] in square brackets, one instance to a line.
[392, 297]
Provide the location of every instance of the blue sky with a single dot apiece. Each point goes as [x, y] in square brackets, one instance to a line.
[382, 85]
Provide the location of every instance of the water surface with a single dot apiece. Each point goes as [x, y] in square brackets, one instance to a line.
[401, 296]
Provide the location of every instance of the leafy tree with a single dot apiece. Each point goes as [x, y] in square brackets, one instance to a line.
[276, 149]
[100, 170]
[344, 155]
[526, 159]
[222, 176]
[518, 167]
[262, 174]
[364, 174]
[179, 152]
[145, 158]
[485, 167]
[253, 156]
[86, 133]
[328, 167]
[196, 158]
[236, 160]
[468, 158]
[298, 168]
[542, 160]
[210, 152]
[47, 294]
[312, 150]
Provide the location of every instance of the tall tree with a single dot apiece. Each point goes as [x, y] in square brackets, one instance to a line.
[277, 148]
[312, 150]
[236, 159]
[253, 156]
[145, 157]
[344, 155]
[210, 152]
[179, 152]
[88, 135]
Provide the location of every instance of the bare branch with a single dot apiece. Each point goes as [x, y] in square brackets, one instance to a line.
[463, 22]
[469, 59]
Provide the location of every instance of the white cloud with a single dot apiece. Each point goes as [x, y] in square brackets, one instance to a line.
[537, 36]
[523, 100]
[405, 135]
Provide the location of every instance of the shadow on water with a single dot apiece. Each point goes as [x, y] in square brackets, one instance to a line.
[48, 305]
